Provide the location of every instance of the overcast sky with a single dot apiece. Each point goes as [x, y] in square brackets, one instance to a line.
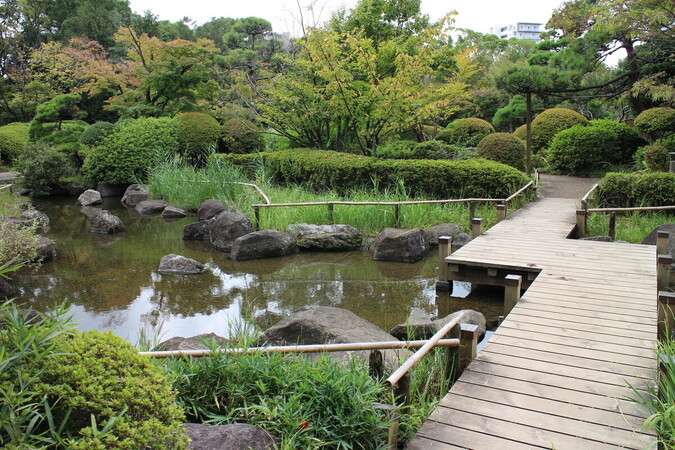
[477, 15]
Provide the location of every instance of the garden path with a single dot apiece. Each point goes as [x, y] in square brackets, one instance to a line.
[557, 371]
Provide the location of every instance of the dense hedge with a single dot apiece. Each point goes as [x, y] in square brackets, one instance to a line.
[126, 155]
[13, 139]
[656, 123]
[503, 148]
[418, 150]
[636, 189]
[436, 179]
[629, 140]
[468, 132]
[549, 123]
[94, 134]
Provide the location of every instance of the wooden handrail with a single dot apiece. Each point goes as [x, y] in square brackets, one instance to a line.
[584, 199]
[638, 208]
[406, 202]
[518, 192]
[314, 348]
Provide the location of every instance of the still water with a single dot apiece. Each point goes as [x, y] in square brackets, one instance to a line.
[111, 282]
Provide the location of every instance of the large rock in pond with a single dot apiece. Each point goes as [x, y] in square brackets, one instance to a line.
[460, 241]
[7, 290]
[227, 227]
[442, 229]
[328, 325]
[45, 249]
[326, 237]
[147, 207]
[89, 197]
[262, 244]
[198, 231]
[235, 436]
[179, 265]
[135, 194]
[190, 343]
[173, 212]
[38, 216]
[209, 209]
[393, 244]
[106, 223]
[420, 326]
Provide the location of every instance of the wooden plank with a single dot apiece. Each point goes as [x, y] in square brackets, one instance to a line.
[540, 290]
[638, 330]
[526, 303]
[432, 436]
[630, 310]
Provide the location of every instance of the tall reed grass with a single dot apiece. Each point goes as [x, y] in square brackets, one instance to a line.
[630, 227]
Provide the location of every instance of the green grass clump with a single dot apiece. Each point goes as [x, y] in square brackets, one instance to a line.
[631, 227]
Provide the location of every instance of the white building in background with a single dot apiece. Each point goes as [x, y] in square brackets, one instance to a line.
[519, 30]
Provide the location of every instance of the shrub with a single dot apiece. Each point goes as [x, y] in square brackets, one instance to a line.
[467, 132]
[503, 148]
[628, 140]
[242, 136]
[325, 170]
[521, 132]
[126, 155]
[417, 150]
[66, 139]
[94, 134]
[394, 148]
[656, 123]
[580, 150]
[549, 123]
[656, 158]
[102, 376]
[18, 243]
[13, 139]
[42, 166]
[636, 189]
[197, 133]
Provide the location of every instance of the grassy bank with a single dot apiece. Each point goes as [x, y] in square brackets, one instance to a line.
[632, 227]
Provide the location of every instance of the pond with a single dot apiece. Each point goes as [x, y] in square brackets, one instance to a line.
[111, 282]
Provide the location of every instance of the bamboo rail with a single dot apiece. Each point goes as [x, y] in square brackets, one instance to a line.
[518, 192]
[637, 208]
[584, 199]
[260, 191]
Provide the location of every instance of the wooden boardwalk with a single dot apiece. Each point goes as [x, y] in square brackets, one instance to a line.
[555, 374]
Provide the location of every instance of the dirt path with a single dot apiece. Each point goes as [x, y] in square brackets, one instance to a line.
[560, 186]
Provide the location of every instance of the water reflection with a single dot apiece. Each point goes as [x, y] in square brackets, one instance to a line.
[111, 282]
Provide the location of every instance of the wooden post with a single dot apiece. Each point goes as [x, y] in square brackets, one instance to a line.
[397, 214]
[476, 226]
[663, 271]
[612, 225]
[330, 213]
[672, 162]
[444, 250]
[666, 369]
[468, 345]
[581, 223]
[472, 210]
[501, 212]
[402, 392]
[666, 312]
[376, 364]
[256, 212]
[662, 238]
[512, 285]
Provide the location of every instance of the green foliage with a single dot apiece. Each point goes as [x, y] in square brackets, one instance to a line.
[242, 136]
[197, 133]
[467, 132]
[630, 227]
[511, 115]
[308, 403]
[636, 189]
[549, 123]
[656, 158]
[94, 134]
[656, 123]
[325, 170]
[127, 154]
[521, 132]
[42, 166]
[18, 243]
[54, 111]
[504, 148]
[13, 139]
[419, 150]
[628, 140]
[102, 376]
[66, 139]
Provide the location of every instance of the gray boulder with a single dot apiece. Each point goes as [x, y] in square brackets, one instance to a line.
[393, 244]
[209, 209]
[106, 223]
[135, 194]
[151, 207]
[89, 197]
[262, 244]
[460, 241]
[7, 290]
[650, 239]
[420, 325]
[236, 436]
[327, 237]
[179, 265]
[442, 229]
[45, 249]
[191, 343]
[33, 214]
[198, 231]
[227, 227]
[328, 325]
[173, 212]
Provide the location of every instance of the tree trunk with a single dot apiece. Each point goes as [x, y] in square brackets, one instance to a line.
[528, 133]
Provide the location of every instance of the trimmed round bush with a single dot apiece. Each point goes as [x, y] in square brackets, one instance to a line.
[504, 148]
[547, 124]
[521, 132]
[656, 123]
[196, 133]
[102, 376]
[126, 155]
[13, 139]
[656, 158]
[468, 132]
[242, 136]
[628, 140]
[94, 134]
[580, 150]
